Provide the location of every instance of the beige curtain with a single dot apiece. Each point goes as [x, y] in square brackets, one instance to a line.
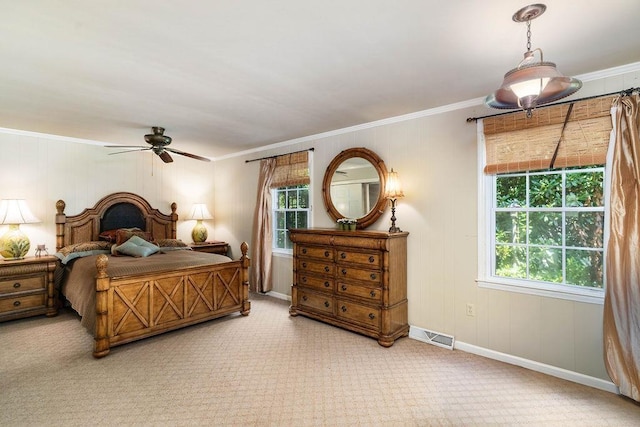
[622, 296]
[262, 230]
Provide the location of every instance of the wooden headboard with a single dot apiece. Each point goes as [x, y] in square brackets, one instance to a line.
[117, 210]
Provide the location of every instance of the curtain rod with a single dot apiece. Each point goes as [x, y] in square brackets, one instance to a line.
[278, 155]
[626, 92]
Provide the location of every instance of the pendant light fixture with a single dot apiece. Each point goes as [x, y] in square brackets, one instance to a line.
[533, 82]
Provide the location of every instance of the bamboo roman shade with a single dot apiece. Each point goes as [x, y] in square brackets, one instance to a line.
[516, 144]
[291, 169]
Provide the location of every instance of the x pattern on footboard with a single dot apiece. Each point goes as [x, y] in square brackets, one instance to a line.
[146, 304]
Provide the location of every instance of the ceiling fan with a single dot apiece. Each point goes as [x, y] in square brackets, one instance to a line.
[159, 142]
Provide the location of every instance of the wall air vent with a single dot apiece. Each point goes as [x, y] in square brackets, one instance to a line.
[431, 337]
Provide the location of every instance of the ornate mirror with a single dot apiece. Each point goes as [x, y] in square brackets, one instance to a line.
[353, 186]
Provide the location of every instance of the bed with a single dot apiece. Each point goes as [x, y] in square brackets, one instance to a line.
[123, 298]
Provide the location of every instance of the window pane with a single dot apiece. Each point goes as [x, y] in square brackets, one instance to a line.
[291, 219]
[292, 199]
[511, 191]
[281, 197]
[545, 264]
[584, 268]
[511, 261]
[584, 229]
[301, 222]
[288, 242]
[303, 198]
[585, 189]
[280, 220]
[545, 228]
[511, 227]
[281, 239]
[545, 190]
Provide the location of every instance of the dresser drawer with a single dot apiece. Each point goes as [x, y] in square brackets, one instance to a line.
[322, 283]
[349, 273]
[314, 301]
[368, 259]
[372, 294]
[21, 284]
[22, 302]
[315, 252]
[308, 266]
[369, 316]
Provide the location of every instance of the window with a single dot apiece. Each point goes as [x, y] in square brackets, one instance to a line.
[291, 209]
[548, 226]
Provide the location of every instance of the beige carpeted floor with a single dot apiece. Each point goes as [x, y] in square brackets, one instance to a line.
[275, 370]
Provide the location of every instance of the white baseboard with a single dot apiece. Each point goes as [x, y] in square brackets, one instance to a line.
[279, 295]
[554, 371]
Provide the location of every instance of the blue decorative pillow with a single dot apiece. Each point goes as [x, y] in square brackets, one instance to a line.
[136, 247]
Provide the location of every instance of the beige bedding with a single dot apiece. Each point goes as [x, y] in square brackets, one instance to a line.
[78, 282]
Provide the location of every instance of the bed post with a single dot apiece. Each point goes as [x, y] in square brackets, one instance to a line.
[246, 304]
[102, 345]
[174, 220]
[61, 219]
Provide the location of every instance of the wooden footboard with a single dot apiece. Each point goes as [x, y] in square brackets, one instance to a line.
[136, 307]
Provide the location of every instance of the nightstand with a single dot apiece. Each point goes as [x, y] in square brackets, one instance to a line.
[27, 288]
[214, 247]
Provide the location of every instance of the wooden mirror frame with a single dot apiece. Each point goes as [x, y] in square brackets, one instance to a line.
[380, 167]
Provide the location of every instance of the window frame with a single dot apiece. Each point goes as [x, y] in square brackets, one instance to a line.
[274, 211]
[486, 253]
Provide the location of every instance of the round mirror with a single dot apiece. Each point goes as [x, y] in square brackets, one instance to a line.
[353, 186]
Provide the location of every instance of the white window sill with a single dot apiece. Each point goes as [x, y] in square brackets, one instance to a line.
[571, 293]
[284, 253]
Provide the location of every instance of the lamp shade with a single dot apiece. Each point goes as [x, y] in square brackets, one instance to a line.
[200, 211]
[393, 188]
[16, 211]
[14, 244]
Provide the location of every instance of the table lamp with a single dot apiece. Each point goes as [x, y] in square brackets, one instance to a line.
[393, 191]
[199, 212]
[14, 244]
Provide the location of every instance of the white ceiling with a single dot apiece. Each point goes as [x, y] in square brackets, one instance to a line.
[224, 76]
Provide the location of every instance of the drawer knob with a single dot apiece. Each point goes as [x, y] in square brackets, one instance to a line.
[304, 251]
[304, 265]
[372, 316]
[343, 308]
[344, 287]
[16, 303]
[304, 298]
[371, 259]
[326, 268]
[16, 285]
[327, 284]
[373, 276]
[344, 271]
[373, 294]
[326, 304]
[326, 254]
[304, 279]
[343, 255]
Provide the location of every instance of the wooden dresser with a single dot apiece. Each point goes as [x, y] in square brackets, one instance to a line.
[27, 288]
[356, 280]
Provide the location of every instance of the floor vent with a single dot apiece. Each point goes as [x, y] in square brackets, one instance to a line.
[434, 338]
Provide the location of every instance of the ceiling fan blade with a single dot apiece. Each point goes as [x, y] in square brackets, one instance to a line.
[193, 156]
[130, 151]
[125, 146]
[165, 157]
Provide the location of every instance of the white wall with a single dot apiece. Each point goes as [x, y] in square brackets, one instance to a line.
[436, 158]
[45, 169]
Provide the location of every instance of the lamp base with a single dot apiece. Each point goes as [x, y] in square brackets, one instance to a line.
[14, 244]
[199, 233]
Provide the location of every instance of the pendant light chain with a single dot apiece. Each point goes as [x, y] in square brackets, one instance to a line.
[529, 35]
